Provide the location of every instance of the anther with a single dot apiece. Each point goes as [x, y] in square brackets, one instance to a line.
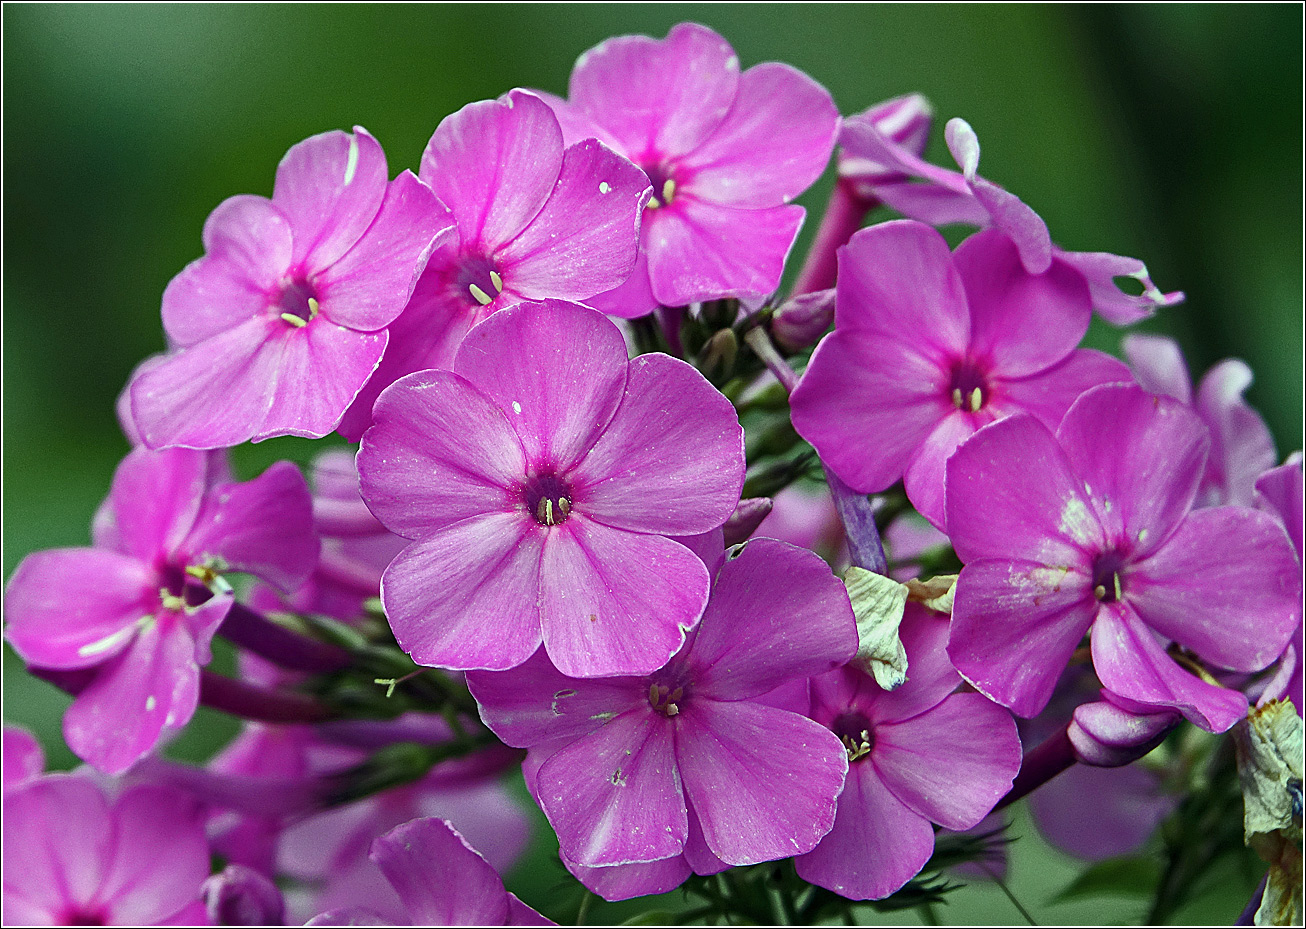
[956, 397]
[1100, 592]
[496, 281]
[312, 307]
[544, 512]
[479, 295]
[294, 320]
[170, 601]
[1116, 578]
[668, 190]
[976, 400]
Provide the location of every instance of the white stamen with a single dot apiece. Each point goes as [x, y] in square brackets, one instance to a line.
[351, 165]
[479, 295]
[496, 281]
[516, 407]
[294, 320]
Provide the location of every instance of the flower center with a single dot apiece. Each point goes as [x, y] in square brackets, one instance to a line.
[664, 185]
[1106, 577]
[479, 278]
[967, 386]
[856, 733]
[665, 699]
[77, 916]
[548, 499]
[297, 303]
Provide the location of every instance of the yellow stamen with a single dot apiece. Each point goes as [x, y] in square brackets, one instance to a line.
[294, 320]
[956, 397]
[479, 295]
[976, 400]
[312, 307]
[1099, 591]
[496, 281]
[668, 190]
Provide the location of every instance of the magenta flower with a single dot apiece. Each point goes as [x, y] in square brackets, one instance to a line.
[1242, 448]
[275, 329]
[920, 190]
[1092, 529]
[687, 761]
[73, 857]
[930, 346]
[1280, 492]
[918, 755]
[539, 481]
[725, 152]
[135, 610]
[533, 220]
[441, 880]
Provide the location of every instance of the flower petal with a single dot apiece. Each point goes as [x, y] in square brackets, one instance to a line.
[930, 674]
[614, 797]
[468, 597]
[1159, 365]
[1113, 304]
[624, 881]
[1131, 663]
[951, 763]
[1050, 393]
[671, 461]
[615, 602]
[1242, 448]
[494, 164]
[1226, 585]
[924, 477]
[161, 856]
[556, 372]
[763, 782]
[749, 640]
[153, 503]
[1015, 625]
[329, 187]
[440, 878]
[773, 144]
[439, 453]
[1140, 458]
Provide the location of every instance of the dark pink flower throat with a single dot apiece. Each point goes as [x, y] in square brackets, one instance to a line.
[297, 303]
[548, 499]
[968, 386]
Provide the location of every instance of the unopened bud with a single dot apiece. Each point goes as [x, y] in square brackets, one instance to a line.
[802, 320]
[241, 896]
[743, 522]
[1106, 736]
[903, 122]
[719, 354]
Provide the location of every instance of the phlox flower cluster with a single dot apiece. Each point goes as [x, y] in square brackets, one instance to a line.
[763, 599]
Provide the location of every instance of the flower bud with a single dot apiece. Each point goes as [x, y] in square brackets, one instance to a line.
[743, 522]
[241, 896]
[903, 121]
[802, 320]
[1107, 736]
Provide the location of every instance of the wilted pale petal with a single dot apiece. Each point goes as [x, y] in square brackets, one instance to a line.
[1159, 365]
[1113, 304]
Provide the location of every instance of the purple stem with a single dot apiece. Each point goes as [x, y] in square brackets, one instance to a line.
[843, 217]
[264, 704]
[761, 344]
[1248, 916]
[280, 645]
[864, 546]
[1040, 764]
[670, 318]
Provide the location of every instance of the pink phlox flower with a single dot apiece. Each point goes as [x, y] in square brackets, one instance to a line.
[1093, 528]
[920, 190]
[74, 857]
[725, 153]
[24, 760]
[1242, 448]
[440, 880]
[918, 755]
[539, 481]
[1279, 491]
[929, 346]
[689, 768]
[139, 608]
[534, 219]
[275, 330]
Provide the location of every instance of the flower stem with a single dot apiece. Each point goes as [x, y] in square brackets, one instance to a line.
[854, 509]
[1040, 764]
[279, 645]
[263, 704]
[843, 217]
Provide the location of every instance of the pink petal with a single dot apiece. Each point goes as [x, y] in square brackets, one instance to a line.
[658, 98]
[152, 685]
[773, 144]
[1281, 491]
[369, 286]
[329, 187]
[935, 204]
[698, 856]
[76, 607]
[248, 251]
[1242, 448]
[1095, 813]
[535, 703]
[215, 394]
[1131, 663]
[867, 403]
[23, 758]
[153, 503]
[1023, 322]
[575, 125]
[1015, 625]
[614, 797]
[468, 596]
[747, 642]
[671, 461]
[615, 602]
[897, 279]
[632, 299]
[1011, 493]
[519, 914]
[1027, 230]
[930, 674]
[951, 763]
[439, 453]
[1050, 393]
[624, 881]
[1112, 304]
[1140, 458]
[763, 782]
[923, 480]
[584, 240]
[321, 369]
[699, 250]
[441, 879]
[161, 856]
[263, 527]
[1226, 585]
[494, 164]
[555, 371]
[1159, 365]
[877, 844]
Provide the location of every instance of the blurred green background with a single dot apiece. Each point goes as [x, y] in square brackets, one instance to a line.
[1172, 134]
